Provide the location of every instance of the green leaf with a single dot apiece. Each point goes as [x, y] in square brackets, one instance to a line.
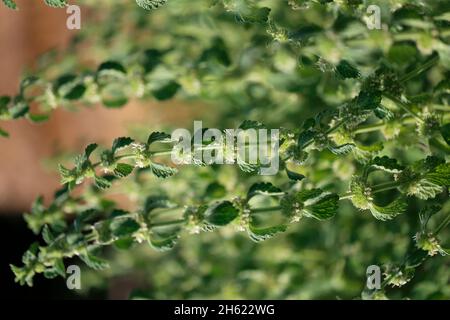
[426, 178]
[383, 113]
[163, 244]
[167, 91]
[294, 175]
[111, 69]
[416, 258]
[47, 235]
[4, 102]
[102, 182]
[390, 211]
[113, 96]
[121, 143]
[323, 208]
[247, 11]
[27, 82]
[159, 137]
[22, 276]
[440, 175]
[215, 191]
[123, 169]
[402, 54]
[314, 203]
[89, 149]
[426, 213]
[30, 255]
[342, 149]
[251, 124]
[247, 167]
[94, 262]
[157, 202]
[368, 100]
[10, 4]
[221, 213]
[3, 133]
[445, 131]
[60, 268]
[124, 243]
[305, 137]
[261, 188]
[56, 3]
[67, 176]
[346, 70]
[387, 164]
[162, 171]
[69, 87]
[38, 118]
[121, 227]
[150, 4]
[262, 234]
[151, 58]
[19, 109]
[305, 195]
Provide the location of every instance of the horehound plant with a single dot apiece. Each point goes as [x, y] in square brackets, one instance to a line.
[364, 120]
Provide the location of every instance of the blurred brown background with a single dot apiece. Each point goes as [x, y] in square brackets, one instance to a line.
[24, 35]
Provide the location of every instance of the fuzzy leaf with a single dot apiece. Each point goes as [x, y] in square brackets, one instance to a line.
[324, 208]
[102, 182]
[215, 191]
[221, 213]
[69, 87]
[111, 68]
[19, 109]
[163, 244]
[150, 4]
[47, 235]
[120, 143]
[158, 137]
[261, 234]
[390, 211]
[123, 169]
[94, 262]
[342, 149]
[157, 202]
[124, 227]
[56, 3]
[387, 164]
[251, 124]
[166, 91]
[294, 175]
[10, 4]
[162, 171]
[261, 188]
[346, 70]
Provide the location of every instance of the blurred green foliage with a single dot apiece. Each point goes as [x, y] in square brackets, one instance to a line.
[359, 108]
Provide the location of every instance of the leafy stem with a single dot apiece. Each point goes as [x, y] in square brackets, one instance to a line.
[420, 69]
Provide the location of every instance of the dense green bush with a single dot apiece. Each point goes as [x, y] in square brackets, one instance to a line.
[364, 150]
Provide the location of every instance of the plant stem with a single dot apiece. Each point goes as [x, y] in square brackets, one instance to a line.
[385, 186]
[370, 127]
[443, 224]
[167, 223]
[268, 209]
[331, 130]
[348, 195]
[437, 143]
[420, 69]
[403, 106]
